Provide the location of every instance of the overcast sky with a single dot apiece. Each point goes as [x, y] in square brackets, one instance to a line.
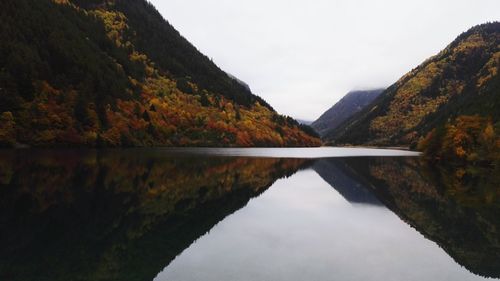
[303, 56]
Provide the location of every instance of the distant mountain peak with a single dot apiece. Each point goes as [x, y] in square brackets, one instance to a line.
[350, 104]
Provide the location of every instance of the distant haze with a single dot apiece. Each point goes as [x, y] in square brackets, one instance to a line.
[303, 56]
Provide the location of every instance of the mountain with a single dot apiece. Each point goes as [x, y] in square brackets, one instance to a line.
[349, 105]
[115, 73]
[242, 83]
[462, 82]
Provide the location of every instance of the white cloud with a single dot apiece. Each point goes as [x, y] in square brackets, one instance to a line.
[303, 56]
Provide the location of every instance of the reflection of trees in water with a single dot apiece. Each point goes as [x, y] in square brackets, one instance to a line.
[116, 215]
[125, 215]
[455, 207]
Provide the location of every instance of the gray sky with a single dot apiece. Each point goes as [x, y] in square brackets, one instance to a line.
[303, 56]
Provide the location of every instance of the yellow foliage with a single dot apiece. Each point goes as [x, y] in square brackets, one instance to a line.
[115, 24]
[61, 2]
[491, 68]
[435, 83]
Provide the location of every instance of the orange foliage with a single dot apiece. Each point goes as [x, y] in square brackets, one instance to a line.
[469, 138]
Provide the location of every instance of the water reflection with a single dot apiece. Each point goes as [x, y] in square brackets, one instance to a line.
[302, 229]
[347, 180]
[70, 215]
[129, 214]
[458, 208]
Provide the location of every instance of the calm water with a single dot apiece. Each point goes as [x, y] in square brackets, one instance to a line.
[244, 214]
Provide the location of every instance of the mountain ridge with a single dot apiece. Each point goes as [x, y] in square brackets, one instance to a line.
[346, 107]
[115, 73]
[460, 80]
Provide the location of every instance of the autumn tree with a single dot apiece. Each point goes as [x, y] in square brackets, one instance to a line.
[7, 129]
[467, 139]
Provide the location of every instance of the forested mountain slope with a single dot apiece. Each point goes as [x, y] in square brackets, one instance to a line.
[115, 73]
[458, 89]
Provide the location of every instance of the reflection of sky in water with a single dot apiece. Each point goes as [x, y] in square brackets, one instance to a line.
[302, 229]
[299, 152]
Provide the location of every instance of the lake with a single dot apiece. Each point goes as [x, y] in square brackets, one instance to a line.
[245, 214]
